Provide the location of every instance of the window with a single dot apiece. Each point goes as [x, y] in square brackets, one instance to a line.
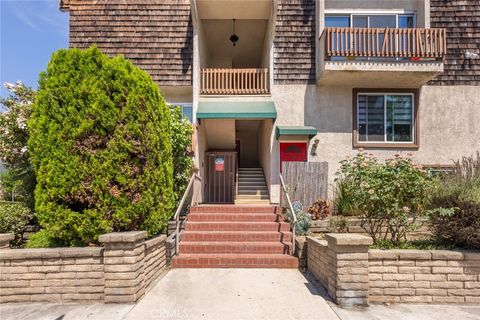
[385, 118]
[187, 109]
[354, 20]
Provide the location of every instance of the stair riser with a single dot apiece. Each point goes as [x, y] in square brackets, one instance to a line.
[238, 262]
[249, 217]
[237, 226]
[275, 248]
[236, 236]
[235, 209]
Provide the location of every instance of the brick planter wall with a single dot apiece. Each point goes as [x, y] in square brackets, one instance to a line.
[121, 271]
[340, 263]
[354, 275]
[426, 276]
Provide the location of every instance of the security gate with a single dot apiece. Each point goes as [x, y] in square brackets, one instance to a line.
[221, 168]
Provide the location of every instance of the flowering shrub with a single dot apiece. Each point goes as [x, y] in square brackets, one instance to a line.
[18, 182]
[388, 197]
[320, 209]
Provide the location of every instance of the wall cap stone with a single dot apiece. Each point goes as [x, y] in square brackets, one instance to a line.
[317, 241]
[129, 236]
[155, 241]
[5, 239]
[348, 239]
[50, 253]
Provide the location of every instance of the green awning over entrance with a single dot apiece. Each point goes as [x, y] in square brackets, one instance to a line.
[236, 110]
[295, 131]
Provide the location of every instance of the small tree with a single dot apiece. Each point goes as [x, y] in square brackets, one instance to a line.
[101, 147]
[18, 182]
[389, 197]
[182, 154]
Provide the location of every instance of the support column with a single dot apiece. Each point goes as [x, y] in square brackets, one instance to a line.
[124, 255]
[348, 258]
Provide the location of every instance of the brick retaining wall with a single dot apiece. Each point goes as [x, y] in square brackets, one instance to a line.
[354, 275]
[121, 271]
[426, 276]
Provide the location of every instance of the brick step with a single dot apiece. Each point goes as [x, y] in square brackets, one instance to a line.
[235, 209]
[234, 261]
[256, 236]
[266, 217]
[237, 226]
[234, 247]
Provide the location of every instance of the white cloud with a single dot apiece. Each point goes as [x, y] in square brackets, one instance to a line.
[38, 14]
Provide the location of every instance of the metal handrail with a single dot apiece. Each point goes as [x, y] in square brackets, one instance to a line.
[180, 206]
[294, 222]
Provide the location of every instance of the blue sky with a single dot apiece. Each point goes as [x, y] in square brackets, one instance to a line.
[30, 31]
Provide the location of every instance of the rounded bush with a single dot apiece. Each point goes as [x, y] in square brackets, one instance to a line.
[100, 143]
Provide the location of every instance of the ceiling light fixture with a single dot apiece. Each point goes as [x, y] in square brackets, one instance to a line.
[234, 37]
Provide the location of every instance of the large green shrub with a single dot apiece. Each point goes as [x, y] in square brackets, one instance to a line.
[459, 192]
[100, 143]
[18, 181]
[389, 196]
[14, 217]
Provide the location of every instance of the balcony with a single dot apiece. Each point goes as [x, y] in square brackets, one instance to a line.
[381, 57]
[229, 81]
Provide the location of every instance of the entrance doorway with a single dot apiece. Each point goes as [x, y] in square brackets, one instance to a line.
[220, 171]
[293, 151]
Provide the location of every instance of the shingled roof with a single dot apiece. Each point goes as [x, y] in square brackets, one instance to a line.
[156, 35]
[461, 18]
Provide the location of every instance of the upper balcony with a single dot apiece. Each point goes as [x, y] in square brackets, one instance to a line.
[407, 57]
[228, 81]
[234, 47]
[378, 44]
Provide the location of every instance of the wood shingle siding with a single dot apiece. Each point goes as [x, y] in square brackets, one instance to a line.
[156, 35]
[461, 18]
[294, 55]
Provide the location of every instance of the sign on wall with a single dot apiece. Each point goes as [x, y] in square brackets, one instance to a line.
[219, 164]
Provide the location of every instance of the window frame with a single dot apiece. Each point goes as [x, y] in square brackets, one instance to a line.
[351, 13]
[414, 144]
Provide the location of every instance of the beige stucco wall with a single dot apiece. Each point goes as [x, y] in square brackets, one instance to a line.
[449, 123]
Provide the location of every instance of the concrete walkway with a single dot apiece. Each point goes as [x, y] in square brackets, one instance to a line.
[235, 294]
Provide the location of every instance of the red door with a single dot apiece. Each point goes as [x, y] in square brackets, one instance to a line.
[293, 151]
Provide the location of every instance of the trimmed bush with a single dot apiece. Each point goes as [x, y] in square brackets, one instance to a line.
[14, 217]
[459, 192]
[100, 144]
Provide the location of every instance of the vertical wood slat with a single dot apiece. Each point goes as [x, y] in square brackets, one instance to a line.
[306, 181]
[234, 81]
[397, 43]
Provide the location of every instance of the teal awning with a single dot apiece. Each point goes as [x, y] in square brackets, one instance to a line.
[236, 110]
[295, 131]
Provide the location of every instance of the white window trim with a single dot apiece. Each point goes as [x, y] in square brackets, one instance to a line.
[385, 94]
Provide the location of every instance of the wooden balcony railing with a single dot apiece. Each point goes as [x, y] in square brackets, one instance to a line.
[234, 81]
[385, 42]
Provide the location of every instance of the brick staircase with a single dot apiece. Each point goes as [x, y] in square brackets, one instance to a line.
[235, 236]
